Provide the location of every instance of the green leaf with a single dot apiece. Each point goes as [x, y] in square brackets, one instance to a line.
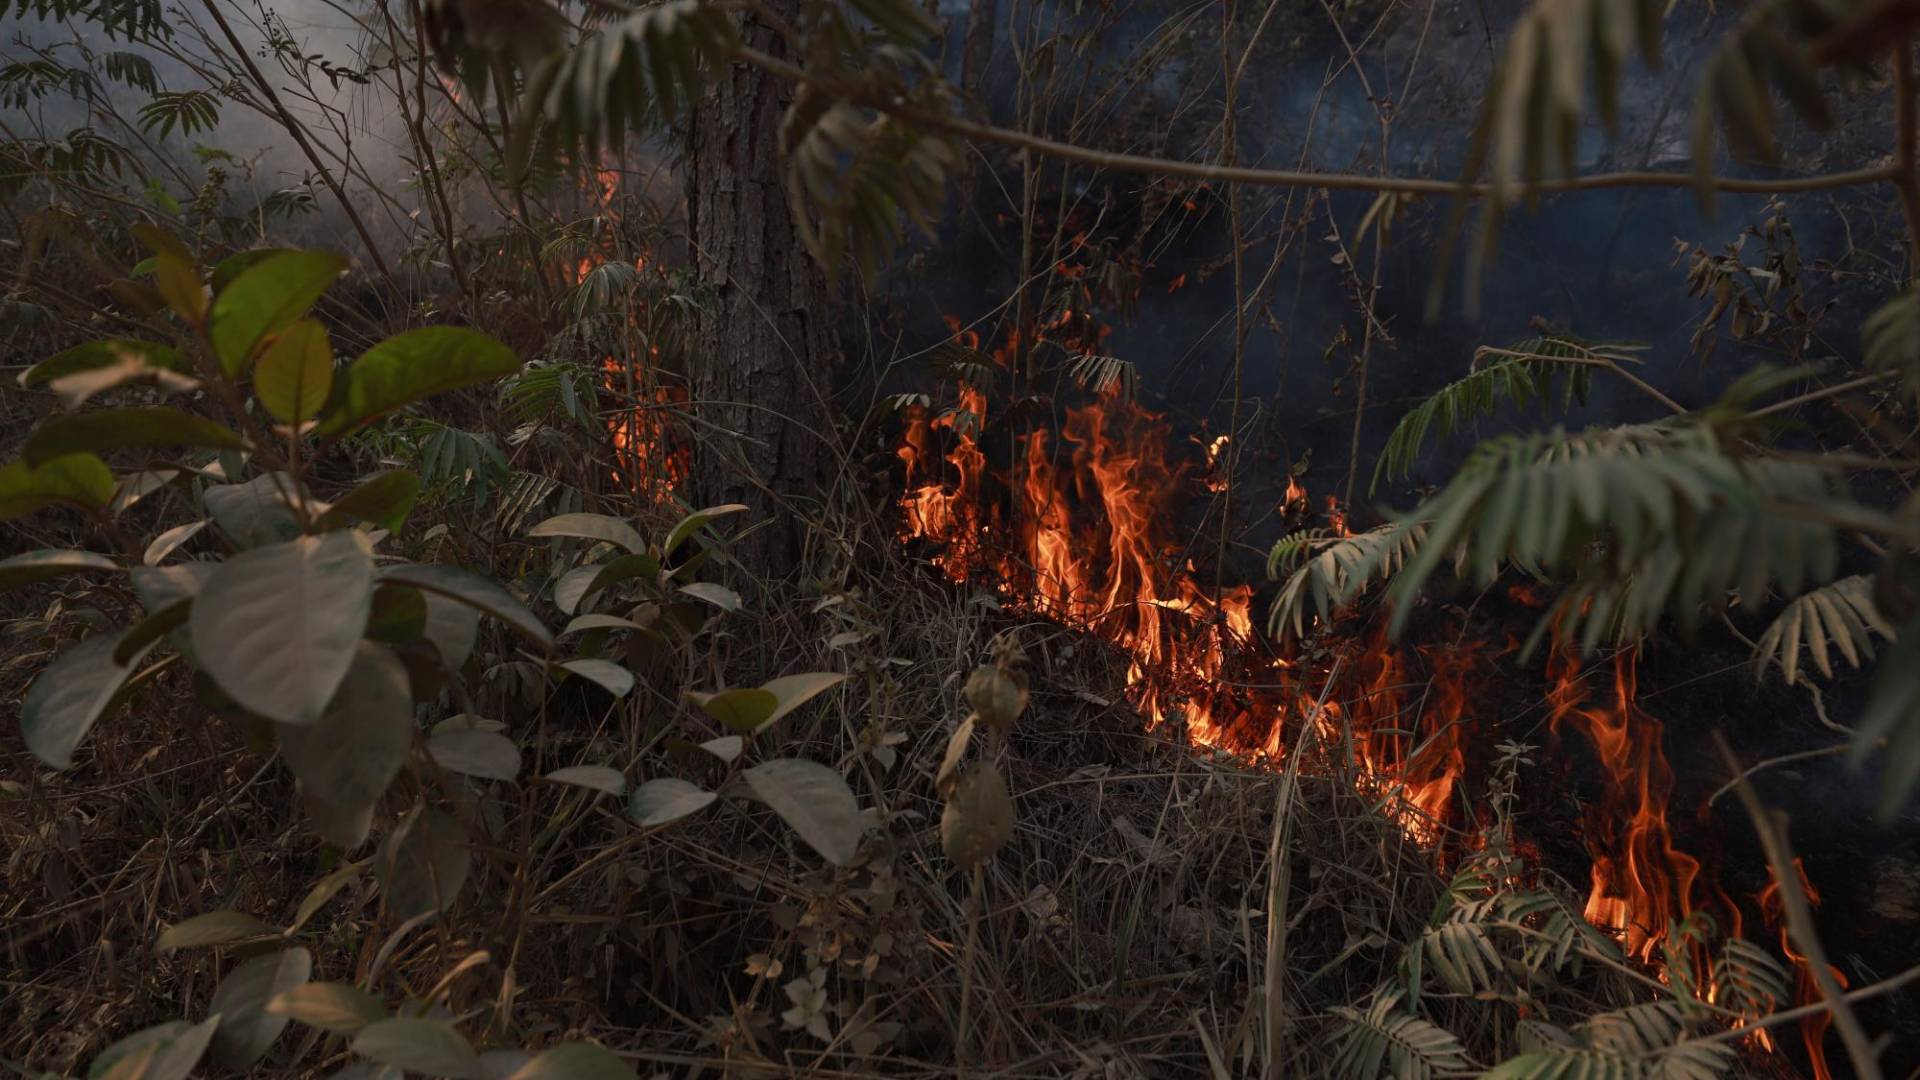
[139, 637]
[117, 429]
[272, 293]
[624, 568]
[247, 1030]
[70, 696]
[581, 623]
[294, 376]
[231, 267]
[475, 591]
[452, 627]
[324, 890]
[277, 626]
[667, 799]
[170, 541]
[432, 1047]
[745, 709]
[341, 1008]
[592, 527]
[166, 1051]
[424, 863]
[793, 691]
[487, 755]
[163, 586]
[106, 353]
[78, 479]
[383, 499]
[694, 522]
[594, 777]
[610, 676]
[718, 595]
[815, 801]
[411, 366]
[353, 751]
[49, 563]
[255, 513]
[575, 1061]
[221, 927]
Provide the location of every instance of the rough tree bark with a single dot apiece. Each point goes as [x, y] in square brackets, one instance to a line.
[760, 379]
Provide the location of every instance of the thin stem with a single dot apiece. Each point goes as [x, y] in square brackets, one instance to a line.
[1773, 837]
[1906, 178]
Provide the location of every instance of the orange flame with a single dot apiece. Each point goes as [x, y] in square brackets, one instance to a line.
[1813, 1029]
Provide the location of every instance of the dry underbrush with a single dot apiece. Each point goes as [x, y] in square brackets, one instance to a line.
[1123, 930]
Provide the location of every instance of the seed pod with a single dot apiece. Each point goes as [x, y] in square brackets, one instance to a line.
[978, 818]
[995, 696]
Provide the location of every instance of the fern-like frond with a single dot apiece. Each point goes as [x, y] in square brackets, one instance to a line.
[1637, 1030]
[1553, 933]
[856, 177]
[1649, 521]
[541, 390]
[1839, 616]
[1747, 980]
[126, 18]
[1335, 570]
[1386, 1039]
[1459, 949]
[1541, 370]
[1566, 1063]
[1104, 375]
[192, 112]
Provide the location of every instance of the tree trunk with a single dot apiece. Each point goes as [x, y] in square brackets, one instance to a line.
[760, 379]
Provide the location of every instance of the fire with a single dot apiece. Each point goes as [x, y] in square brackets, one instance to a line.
[1640, 880]
[1813, 1029]
[1077, 528]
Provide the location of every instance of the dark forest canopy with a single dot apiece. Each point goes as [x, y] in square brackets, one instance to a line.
[858, 537]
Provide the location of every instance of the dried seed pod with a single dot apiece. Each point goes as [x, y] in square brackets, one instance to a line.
[995, 696]
[978, 818]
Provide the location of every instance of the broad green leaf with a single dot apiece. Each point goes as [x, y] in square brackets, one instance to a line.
[247, 1030]
[180, 285]
[610, 676]
[475, 591]
[575, 1061]
[277, 626]
[452, 627]
[592, 527]
[115, 429]
[341, 1008]
[694, 522]
[152, 628]
[294, 376]
[572, 588]
[595, 777]
[70, 696]
[255, 513]
[168, 542]
[624, 568]
[49, 563]
[95, 355]
[815, 801]
[726, 747]
[794, 691]
[417, 1045]
[347, 758]
[487, 755]
[221, 927]
[272, 293]
[384, 499]
[398, 616]
[411, 366]
[746, 709]
[667, 799]
[166, 1051]
[161, 587]
[718, 595]
[78, 479]
[231, 267]
[597, 621]
[424, 863]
